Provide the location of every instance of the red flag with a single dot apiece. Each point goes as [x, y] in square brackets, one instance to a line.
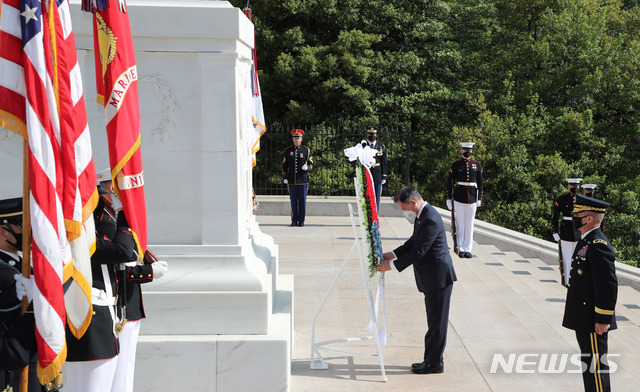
[117, 87]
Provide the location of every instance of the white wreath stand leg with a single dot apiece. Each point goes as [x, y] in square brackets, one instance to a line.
[317, 347]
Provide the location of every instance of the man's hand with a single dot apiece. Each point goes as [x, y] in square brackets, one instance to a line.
[24, 287]
[556, 237]
[388, 256]
[286, 181]
[602, 328]
[449, 205]
[384, 182]
[116, 204]
[383, 267]
[478, 203]
[305, 167]
[159, 268]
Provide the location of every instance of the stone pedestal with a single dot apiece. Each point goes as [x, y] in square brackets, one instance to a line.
[213, 314]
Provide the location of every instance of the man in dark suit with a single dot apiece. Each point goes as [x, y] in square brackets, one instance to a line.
[427, 251]
[592, 292]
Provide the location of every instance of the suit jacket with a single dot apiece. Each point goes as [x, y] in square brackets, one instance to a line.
[593, 285]
[562, 208]
[428, 252]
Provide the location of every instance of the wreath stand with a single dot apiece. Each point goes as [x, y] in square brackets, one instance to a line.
[317, 347]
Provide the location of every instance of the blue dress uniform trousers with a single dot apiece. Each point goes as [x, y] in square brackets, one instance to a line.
[298, 196]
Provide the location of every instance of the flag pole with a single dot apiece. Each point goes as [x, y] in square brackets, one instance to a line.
[26, 244]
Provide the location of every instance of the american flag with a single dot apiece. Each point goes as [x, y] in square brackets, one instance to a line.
[41, 98]
[257, 116]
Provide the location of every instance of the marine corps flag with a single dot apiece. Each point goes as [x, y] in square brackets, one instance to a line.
[117, 87]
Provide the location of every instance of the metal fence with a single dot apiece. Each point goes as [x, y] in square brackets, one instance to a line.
[332, 173]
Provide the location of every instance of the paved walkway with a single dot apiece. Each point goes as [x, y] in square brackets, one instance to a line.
[502, 304]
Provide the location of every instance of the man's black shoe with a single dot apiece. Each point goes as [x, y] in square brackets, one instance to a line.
[293, 224]
[428, 369]
[417, 365]
[467, 255]
[300, 224]
[461, 255]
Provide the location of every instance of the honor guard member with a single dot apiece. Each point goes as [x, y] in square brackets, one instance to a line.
[565, 233]
[589, 190]
[130, 311]
[296, 164]
[91, 360]
[379, 169]
[464, 186]
[11, 282]
[592, 292]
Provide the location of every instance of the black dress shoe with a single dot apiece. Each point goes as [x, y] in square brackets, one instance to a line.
[293, 224]
[428, 369]
[467, 255]
[300, 224]
[461, 255]
[417, 365]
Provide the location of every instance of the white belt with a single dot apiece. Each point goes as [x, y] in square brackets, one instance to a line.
[467, 183]
[100, 297]
[567, 218]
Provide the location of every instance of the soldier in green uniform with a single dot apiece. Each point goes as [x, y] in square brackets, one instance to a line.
[296, 164]
[592, 292]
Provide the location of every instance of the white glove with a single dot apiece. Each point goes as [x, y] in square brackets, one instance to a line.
[449, 205]
[556, 237]
[116, 203]
[159, 268]
[24, 287]
[478, 203]
[305, 167]
[286, 181]
[384, 182]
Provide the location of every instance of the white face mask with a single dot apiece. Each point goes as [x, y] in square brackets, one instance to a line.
[410, 216]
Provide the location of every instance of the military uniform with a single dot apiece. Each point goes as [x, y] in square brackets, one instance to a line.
[91, 360]
[297, 178]
[19, 343]
[565, 232]
[135, 274]
[591, 298]
[465, 188]
[379, 169]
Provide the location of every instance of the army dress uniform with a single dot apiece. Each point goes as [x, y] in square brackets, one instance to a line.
[591, 298]
[296, 159]
[465, 187]
[565, 232]
[91, 361]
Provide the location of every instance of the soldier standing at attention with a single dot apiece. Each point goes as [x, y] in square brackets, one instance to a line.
[379, 169]
[464, 186]
[592, 292]
[566, 234]
[296, 164]
[589, 190]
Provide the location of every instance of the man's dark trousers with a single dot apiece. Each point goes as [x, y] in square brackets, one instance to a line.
[298, 196]
[437, 306]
